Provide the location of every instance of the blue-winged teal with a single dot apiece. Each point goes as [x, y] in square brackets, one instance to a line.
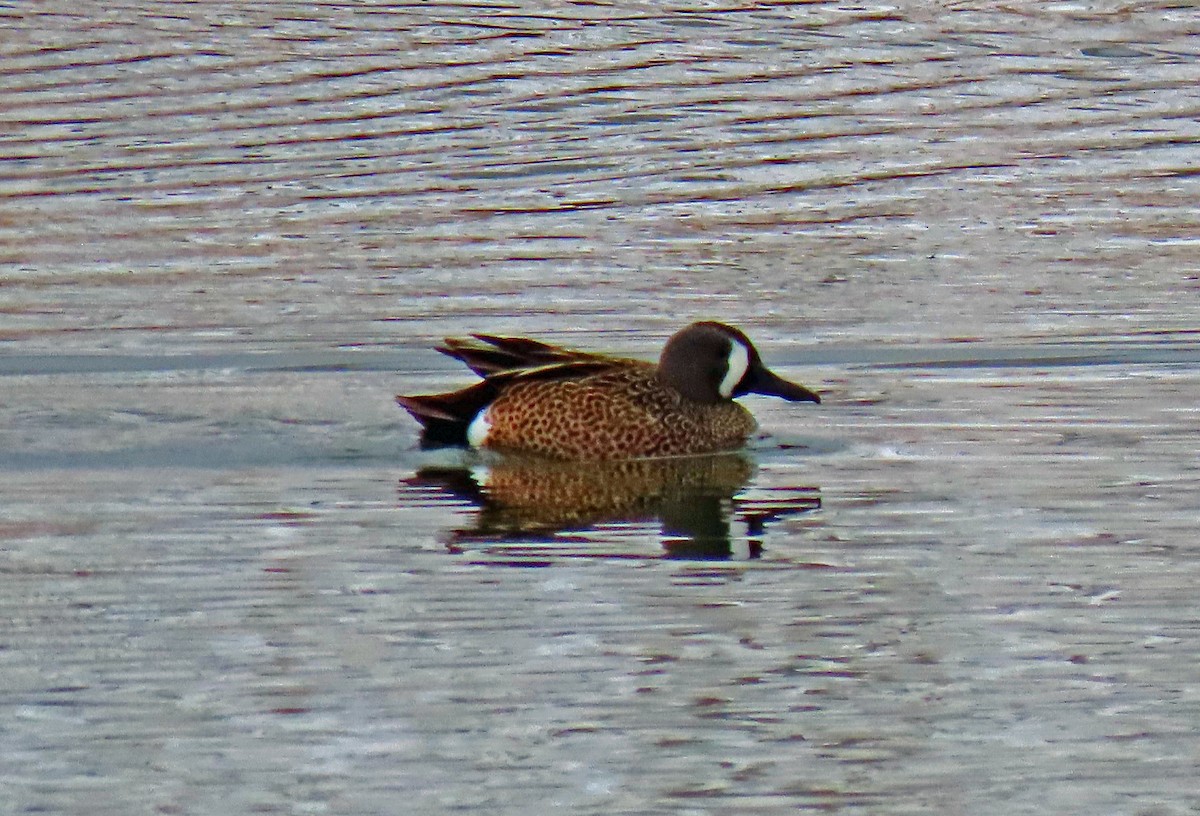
[569, 404]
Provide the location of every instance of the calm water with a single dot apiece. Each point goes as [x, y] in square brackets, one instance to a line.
[232, 582]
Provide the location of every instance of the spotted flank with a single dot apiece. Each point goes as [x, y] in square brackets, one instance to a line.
[567, 404]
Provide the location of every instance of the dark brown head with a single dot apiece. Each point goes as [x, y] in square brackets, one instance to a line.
[711, 362]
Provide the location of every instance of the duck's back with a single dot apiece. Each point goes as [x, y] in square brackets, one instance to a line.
[621, 413]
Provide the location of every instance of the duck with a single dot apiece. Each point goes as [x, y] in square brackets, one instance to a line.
[546, 400]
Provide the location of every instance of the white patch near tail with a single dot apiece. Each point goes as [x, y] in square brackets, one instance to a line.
[477, 431]
[735, 368]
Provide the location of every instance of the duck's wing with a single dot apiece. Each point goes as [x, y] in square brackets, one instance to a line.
[462, 405]
[446, 417]
[488, 354]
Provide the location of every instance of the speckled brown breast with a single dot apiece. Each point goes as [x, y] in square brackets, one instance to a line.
[618, 414]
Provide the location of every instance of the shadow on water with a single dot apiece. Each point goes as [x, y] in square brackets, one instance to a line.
[528, 511]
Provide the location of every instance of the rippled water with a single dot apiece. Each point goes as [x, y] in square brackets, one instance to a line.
[964, 583]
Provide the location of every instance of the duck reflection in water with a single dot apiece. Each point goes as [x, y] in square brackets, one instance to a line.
[694, 504]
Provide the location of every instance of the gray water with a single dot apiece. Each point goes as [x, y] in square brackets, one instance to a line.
[232, 581]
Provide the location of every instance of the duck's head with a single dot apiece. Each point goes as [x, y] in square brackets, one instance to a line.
[711, 362]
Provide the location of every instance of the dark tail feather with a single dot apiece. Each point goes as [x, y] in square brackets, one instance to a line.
[445, 417]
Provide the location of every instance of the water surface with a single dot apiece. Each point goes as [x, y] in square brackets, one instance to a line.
[964, 583]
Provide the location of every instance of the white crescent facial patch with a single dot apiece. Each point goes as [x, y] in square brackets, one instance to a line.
[736, 367]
